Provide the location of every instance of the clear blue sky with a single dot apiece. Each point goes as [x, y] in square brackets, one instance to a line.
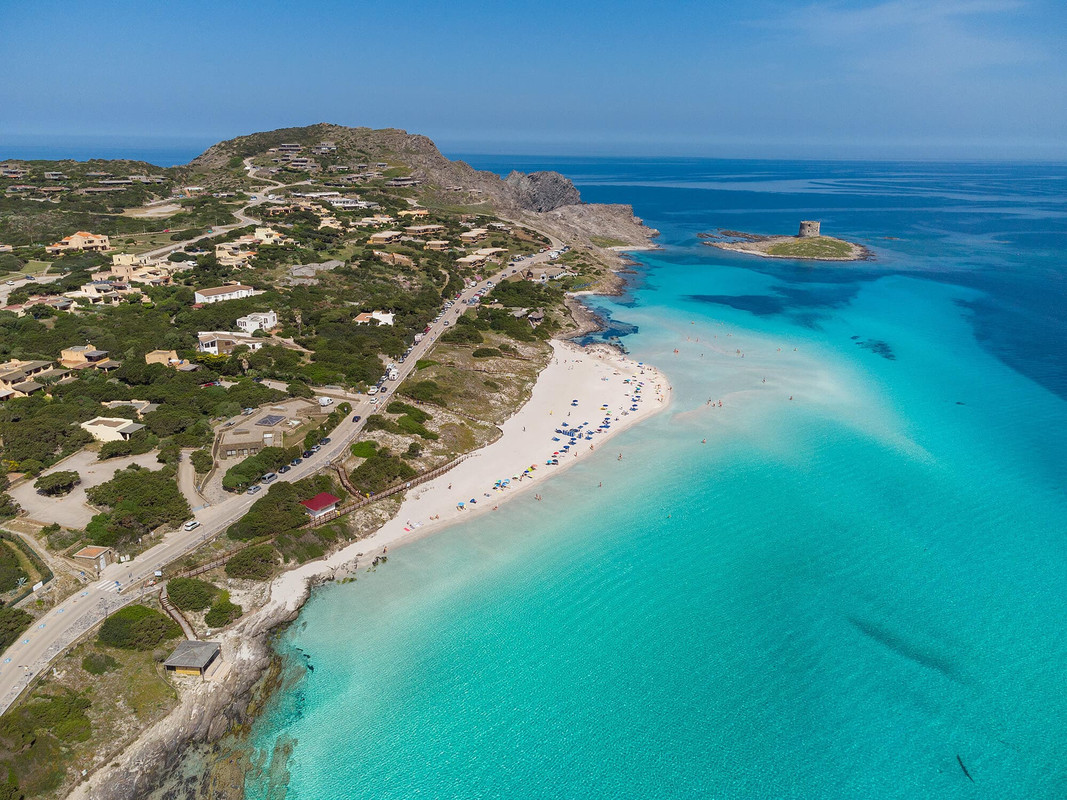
[894, 78]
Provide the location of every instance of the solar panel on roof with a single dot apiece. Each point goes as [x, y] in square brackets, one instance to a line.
[271, 420]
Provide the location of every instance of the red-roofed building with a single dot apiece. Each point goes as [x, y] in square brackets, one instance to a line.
[321, 504]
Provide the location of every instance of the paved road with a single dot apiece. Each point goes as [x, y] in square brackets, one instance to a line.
[120, 584]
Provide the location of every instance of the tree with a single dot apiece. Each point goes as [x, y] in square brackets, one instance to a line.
[137, 627]
[13, 621]
[202, 461]
[57, 483]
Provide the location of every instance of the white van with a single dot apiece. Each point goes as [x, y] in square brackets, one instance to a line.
[372, 390]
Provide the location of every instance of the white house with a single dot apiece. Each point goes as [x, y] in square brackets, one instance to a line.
[265, 320]
[234, 291]
[382, 317]
[222, 343]
[111, 429]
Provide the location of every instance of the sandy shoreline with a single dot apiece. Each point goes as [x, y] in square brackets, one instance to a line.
[594, 376]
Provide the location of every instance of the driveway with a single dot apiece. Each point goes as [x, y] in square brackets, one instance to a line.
[71, 511]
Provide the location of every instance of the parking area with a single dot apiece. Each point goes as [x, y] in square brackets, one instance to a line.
[71, 510]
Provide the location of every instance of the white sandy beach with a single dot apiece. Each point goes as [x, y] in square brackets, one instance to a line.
[594, 377]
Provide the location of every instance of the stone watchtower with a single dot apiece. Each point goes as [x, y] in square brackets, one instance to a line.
[808, 228]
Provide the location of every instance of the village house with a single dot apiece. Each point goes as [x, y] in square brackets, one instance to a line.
[472, 260]
[385, 237]
[424, 230]
[22, 378]
[80, 241]
[377, 219]
[437, 244]
[473, 235]
[111, 429]
[381, 317]
[142, 407]
[259, 320]
[85, 356]
[169, 358]
[219, 294]
[223, 343]
[397, 259]
[414, 212]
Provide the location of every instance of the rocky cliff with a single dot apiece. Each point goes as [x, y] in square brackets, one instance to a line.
[542, 191]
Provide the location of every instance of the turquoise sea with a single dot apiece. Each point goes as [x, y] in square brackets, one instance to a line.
[854, 593]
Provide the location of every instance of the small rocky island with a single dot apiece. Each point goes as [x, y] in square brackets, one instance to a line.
[808, 245]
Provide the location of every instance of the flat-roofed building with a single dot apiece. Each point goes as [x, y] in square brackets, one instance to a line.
[193, 658]
[438, 244]
[424, 230]
[82, 356]
[223, 343]
[219, 294]
[473, 235]
[385, 237]
[111, 429]
[94, 556]
[258, 320]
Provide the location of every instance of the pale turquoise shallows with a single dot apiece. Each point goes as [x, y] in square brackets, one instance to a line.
[843, 595]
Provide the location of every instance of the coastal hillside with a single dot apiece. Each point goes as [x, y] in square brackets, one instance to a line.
[215, 372]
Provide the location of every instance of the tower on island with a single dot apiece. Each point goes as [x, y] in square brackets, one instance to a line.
[808, 228]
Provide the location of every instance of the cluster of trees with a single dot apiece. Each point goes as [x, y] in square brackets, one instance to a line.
[381, 471]
[10, 569]
[137, 627]
[193, 594]
[138, 501]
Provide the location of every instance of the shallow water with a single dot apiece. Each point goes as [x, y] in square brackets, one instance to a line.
[843, 594]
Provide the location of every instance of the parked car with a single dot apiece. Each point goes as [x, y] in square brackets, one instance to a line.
[253, 489]
[284, 468]
[296, 461]
[307, 454]
[191, 525]
[325, 441]
[270, 477]
[315, 448]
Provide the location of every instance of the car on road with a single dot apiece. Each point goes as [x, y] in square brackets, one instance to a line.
[191, 525]
[296, 461]
[10, 283]
[445, 323]
[315, 448]
[284, 468]
[325, 441]
[357, 418]
[374, 401]
[270, 477]
[253, 489]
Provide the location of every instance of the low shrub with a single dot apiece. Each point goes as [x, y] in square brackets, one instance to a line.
[222, 612]
[137, 627]
[191, 594]
[253, 563]
[98, 663]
